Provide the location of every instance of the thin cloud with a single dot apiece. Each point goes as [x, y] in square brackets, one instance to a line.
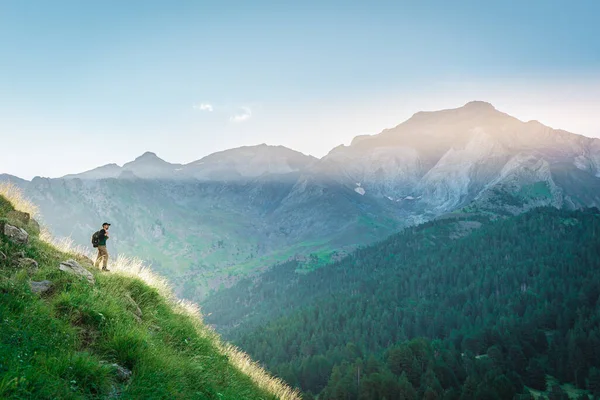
[243, 116]
[204, 107]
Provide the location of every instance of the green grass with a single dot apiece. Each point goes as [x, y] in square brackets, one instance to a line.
[321, 248]
[61, 345]
[5, 206]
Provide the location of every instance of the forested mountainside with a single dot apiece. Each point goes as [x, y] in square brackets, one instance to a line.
[456, 308]
[207, 223]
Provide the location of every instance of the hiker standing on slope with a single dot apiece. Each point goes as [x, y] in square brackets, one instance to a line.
[102, 235]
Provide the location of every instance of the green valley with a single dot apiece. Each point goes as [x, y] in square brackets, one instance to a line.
[455, 308]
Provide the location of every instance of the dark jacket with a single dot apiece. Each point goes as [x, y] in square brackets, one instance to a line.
[102, 238]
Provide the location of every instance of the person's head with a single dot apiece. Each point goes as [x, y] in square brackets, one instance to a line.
[105, 226]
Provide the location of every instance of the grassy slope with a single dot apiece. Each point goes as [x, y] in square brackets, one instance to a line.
[51, 346]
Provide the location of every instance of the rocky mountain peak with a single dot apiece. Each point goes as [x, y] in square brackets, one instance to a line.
[148, 156]
[479, 105]
[248, 161]
[150, 166]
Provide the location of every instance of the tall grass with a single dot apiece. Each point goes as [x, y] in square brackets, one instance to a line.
[19, 202]
[121, 265]
[134, 267]
[251, 368]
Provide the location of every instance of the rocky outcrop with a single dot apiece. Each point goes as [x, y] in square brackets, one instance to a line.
[40, 287]
[73, 267]
[20, 216]
[14, 233]
[29, 264]
[123, 374]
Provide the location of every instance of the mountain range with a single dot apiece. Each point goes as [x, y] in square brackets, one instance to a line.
[236, 164]
[207, 223]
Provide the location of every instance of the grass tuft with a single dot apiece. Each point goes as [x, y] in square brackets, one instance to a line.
[15, 197]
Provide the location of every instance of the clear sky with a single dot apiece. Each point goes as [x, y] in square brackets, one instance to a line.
[86, 83]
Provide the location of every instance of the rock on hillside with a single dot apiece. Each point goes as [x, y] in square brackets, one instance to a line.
[18, 235]
[73, 267]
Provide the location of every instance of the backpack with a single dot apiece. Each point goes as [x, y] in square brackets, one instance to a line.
[96, 239]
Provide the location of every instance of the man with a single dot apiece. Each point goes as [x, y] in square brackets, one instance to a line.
[102, 252]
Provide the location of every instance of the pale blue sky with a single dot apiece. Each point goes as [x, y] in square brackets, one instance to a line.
[87, 83]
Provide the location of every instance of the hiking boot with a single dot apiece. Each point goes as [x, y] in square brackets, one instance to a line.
[106, 269]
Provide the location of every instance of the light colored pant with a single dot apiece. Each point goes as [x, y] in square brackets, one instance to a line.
[102, 257]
